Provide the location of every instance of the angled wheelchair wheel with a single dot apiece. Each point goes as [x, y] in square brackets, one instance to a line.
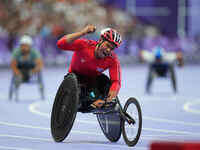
[111, 125]
[13, 89]
[64, 108]
[131, 131]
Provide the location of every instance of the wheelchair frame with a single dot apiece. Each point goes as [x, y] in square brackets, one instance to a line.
[63, 107]
[14, 85]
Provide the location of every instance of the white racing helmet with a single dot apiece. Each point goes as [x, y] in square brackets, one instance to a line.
[26, 40]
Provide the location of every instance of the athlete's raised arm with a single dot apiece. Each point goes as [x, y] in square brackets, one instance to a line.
[88, 29]
[68, 42]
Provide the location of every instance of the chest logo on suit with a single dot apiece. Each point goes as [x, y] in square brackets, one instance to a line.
[82, 60]
[100, 69]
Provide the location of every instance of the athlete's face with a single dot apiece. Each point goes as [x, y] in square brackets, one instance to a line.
[105, 49]
[25, 48]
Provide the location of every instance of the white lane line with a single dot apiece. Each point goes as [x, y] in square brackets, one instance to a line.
[162, 98]
[146, 137]
[172, 131]
[116, 146]
[162, 135]
[81, 132]
[151, 137]
[99, 134]
[43, 128]
[22, 125]
[187, 107]
[170, 121]
[26, 137]
[89, 142]
[34, 109]
[14, 148]
[69, 142]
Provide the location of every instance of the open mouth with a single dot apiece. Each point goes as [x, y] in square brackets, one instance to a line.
[105, 54]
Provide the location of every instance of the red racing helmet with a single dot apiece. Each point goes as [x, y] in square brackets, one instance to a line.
[112, 36]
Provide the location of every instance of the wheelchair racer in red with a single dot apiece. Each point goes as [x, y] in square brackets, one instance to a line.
[91, 58]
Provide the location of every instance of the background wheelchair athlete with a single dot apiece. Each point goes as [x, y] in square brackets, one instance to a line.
[26, 65]
[161, 64]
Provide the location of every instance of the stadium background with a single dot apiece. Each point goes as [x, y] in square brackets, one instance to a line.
[173, 24]
[143, 24]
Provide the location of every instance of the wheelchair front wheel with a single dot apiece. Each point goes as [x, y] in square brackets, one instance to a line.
[64, 108]
[131, 131]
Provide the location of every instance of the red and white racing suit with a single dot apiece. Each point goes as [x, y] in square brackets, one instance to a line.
[85, 63]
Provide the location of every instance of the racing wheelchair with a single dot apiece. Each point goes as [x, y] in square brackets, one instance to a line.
[73, 97]
[161, 70]
[28, 79]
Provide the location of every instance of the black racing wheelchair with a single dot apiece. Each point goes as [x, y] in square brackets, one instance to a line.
[33, 79]
[73, 96]
[27, 77]
[161, 70]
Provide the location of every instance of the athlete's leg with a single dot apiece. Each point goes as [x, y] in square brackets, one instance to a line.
[103, 84]
[100, 84]
[25, 68]
[84, 86]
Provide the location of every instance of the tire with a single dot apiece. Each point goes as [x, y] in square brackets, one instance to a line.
[133, 141]
[64, 108]
[11, 88]
[111, 125]
[10, 92]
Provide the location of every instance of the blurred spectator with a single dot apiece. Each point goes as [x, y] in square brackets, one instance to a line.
[48, 20]
[134, 32]
[154, 37]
